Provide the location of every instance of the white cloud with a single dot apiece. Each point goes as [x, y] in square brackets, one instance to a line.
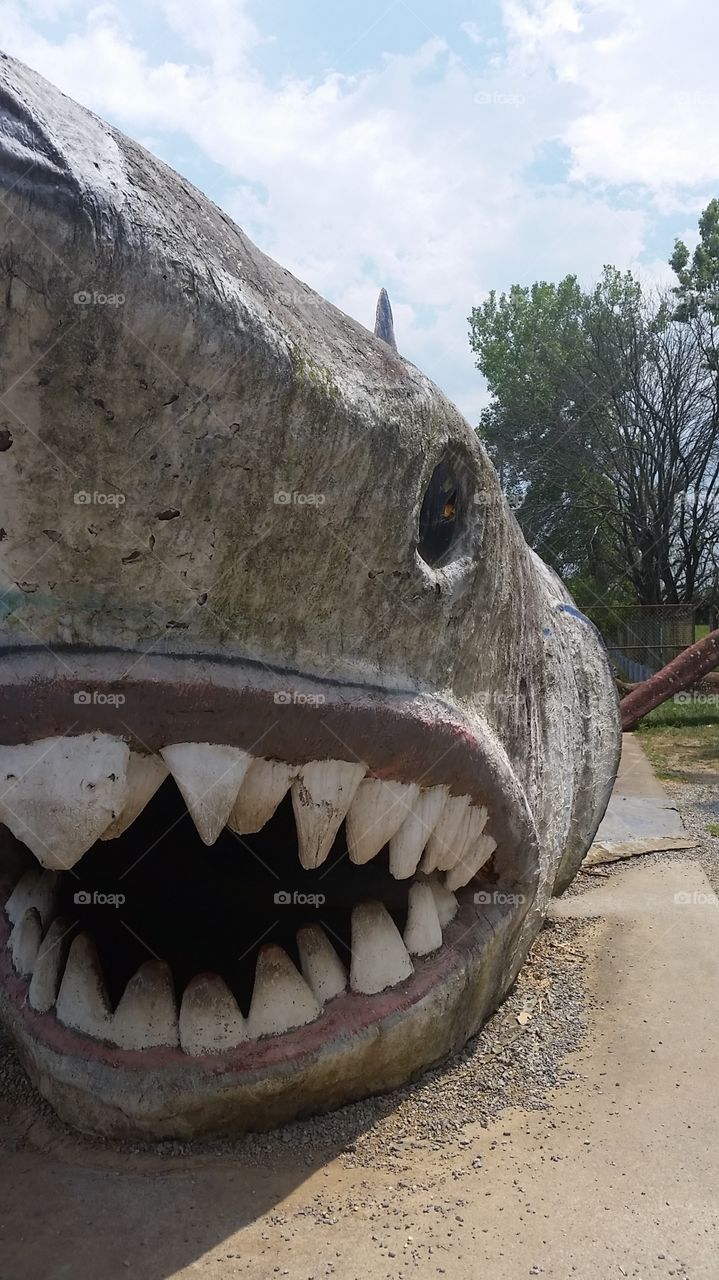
[647, 71]
[473, 32]
[411, 174]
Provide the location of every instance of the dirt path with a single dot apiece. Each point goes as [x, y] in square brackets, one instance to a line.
[618, 1177]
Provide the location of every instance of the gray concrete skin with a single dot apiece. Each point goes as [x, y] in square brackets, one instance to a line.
[217, 381]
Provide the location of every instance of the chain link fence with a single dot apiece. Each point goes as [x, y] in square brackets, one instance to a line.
[641, 639]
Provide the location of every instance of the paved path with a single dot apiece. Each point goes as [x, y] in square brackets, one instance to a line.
[639, 806]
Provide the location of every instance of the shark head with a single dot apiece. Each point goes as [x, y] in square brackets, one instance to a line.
[298, 737]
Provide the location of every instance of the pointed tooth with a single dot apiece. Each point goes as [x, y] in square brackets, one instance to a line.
[322, 968]
[376, 813]
[405, 848]
[209, 778]
[445, 901]
[49, 966]
[281, 998]
[37, 889]
[24, 942]
[265, 785]
[82, 1001]
[321, 796]
[447, 835]
[460, 875]
[144, 775]
[147, 1013]
[210, 1020]
[423, 931]
[379, 956]
[466, 839]
[58, 795]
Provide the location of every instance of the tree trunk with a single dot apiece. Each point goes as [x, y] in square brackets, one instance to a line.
[678, 674]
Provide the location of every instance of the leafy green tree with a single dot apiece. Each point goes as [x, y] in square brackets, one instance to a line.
[698, 273]
[603, 424]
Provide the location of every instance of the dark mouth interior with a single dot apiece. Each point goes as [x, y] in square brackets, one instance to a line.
[208, 909]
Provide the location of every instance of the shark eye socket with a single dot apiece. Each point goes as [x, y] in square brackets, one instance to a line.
[439, 516]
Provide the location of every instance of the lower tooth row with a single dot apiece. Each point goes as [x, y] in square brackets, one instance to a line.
[68, 975]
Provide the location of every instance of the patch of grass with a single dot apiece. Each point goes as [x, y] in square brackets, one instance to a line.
[698, 709]
[682, 748]
[713, 829]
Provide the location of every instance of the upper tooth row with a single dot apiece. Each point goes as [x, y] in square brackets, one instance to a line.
[60, 795]
[69, 975]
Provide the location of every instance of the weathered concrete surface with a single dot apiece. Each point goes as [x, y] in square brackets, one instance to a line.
[639, 808]
[617, 1178]
[207, 461]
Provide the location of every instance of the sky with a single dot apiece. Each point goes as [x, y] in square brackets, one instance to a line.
[441, 148]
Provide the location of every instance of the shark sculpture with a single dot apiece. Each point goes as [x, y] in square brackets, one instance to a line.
[297, 736]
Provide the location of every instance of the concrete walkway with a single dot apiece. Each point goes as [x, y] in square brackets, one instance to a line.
[640, 816]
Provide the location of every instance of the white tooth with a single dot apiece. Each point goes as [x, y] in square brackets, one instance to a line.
[379, 956]
[49, 966]
[144, 775]
[471, 829]
[209, 777]
[405, 848]
[58, 795]
[266, 784]
[321, 796]
[469, 866]
[82, 1001]
[322, 968]
[447, 836]
[445, 901]
[376, 813]
[423, 932]
[37, 889]
[24, 942]
[210, 1020]
[147, 1013]
[281, 998]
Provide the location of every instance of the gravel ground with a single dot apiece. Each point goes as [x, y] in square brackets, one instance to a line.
[513, 1062]
[516, 1059]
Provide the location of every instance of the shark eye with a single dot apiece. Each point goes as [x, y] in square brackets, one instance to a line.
[439, 516]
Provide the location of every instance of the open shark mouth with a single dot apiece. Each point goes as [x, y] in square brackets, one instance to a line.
[228, 906]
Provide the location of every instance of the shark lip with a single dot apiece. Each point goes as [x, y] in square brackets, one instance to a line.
[336, 936]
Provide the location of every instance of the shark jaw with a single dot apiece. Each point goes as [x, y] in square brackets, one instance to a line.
[309, 899]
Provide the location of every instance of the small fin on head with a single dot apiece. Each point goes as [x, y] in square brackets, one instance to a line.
[383, 322]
